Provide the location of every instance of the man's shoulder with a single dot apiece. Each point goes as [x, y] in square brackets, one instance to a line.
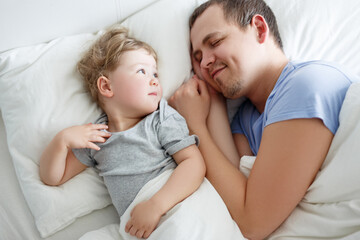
[319, 69]
[313, 75]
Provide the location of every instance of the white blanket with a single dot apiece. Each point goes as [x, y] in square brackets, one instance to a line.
[329, 210]
[201, 216]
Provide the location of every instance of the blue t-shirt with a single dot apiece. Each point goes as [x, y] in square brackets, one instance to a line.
[314, 89]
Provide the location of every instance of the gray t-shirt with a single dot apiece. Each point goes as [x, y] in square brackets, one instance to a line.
[129, 159]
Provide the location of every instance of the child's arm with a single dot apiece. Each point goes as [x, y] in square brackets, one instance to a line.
[58, 163]
[185, 179]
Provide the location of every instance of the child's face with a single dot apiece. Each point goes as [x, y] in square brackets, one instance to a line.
[135, 83]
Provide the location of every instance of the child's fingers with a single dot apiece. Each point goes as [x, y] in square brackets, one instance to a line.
[133, 230]
[140, 233]
[98, 136]
[99, 126]
[93, 146]
[147, 234]
[128, 226]
[104, 134]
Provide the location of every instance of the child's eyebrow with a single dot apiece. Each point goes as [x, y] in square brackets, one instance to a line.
[139, 64]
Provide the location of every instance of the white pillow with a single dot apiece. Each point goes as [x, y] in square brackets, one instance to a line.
[319, 29]
[167, 32]
[42, 93]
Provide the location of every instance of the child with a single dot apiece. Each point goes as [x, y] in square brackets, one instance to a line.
[137, 137]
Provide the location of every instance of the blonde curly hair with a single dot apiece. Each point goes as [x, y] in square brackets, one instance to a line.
[104, 55]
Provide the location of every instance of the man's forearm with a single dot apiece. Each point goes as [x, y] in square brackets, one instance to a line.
[229, 182]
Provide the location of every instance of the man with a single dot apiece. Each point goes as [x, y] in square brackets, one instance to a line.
[288, 120]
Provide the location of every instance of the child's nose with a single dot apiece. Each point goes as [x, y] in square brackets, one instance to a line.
[154, 82]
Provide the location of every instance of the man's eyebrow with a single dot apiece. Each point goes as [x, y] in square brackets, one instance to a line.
[210, 35]
[204, 41]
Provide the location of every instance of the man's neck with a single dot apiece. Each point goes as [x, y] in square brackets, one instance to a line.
[267, 80]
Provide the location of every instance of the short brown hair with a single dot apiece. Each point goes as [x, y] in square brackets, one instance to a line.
[104, 55]
[241, 12]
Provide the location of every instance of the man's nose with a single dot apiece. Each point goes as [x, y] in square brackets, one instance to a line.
[207, 60]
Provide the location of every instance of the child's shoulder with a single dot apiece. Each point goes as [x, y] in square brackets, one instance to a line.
[166, 111]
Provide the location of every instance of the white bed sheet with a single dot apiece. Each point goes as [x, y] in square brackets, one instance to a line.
[16, 221]
[13, 208]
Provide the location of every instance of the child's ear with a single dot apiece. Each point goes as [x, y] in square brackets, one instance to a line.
[104, 86]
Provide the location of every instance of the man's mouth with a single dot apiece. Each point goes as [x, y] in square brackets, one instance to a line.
[217, 71]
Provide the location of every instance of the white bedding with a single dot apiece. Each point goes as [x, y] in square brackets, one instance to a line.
[16, 220]
[310, 29]
[201, 216]
[213, 216]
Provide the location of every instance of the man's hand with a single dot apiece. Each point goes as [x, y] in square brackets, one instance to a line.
[192, 101]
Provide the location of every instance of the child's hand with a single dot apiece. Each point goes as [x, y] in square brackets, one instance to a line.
[144, 218]
[84, 136]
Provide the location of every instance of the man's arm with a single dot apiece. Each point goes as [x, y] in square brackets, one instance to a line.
[290, 155]
[219, 127]
[242, 145]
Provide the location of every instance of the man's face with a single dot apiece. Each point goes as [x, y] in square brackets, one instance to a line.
[222, 52]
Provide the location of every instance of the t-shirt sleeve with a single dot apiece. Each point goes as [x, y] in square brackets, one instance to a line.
[84, 156]
[236, 123]
[316, 92]
[244, 118]
[173, 132]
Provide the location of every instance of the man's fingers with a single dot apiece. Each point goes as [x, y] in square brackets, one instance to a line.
[203, 88]
[171, 101]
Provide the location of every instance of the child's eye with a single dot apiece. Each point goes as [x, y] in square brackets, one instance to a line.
[156, 75]
[141, 71]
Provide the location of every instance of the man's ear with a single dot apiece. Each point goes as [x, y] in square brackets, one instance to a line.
[261, 26]
[104, 86]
